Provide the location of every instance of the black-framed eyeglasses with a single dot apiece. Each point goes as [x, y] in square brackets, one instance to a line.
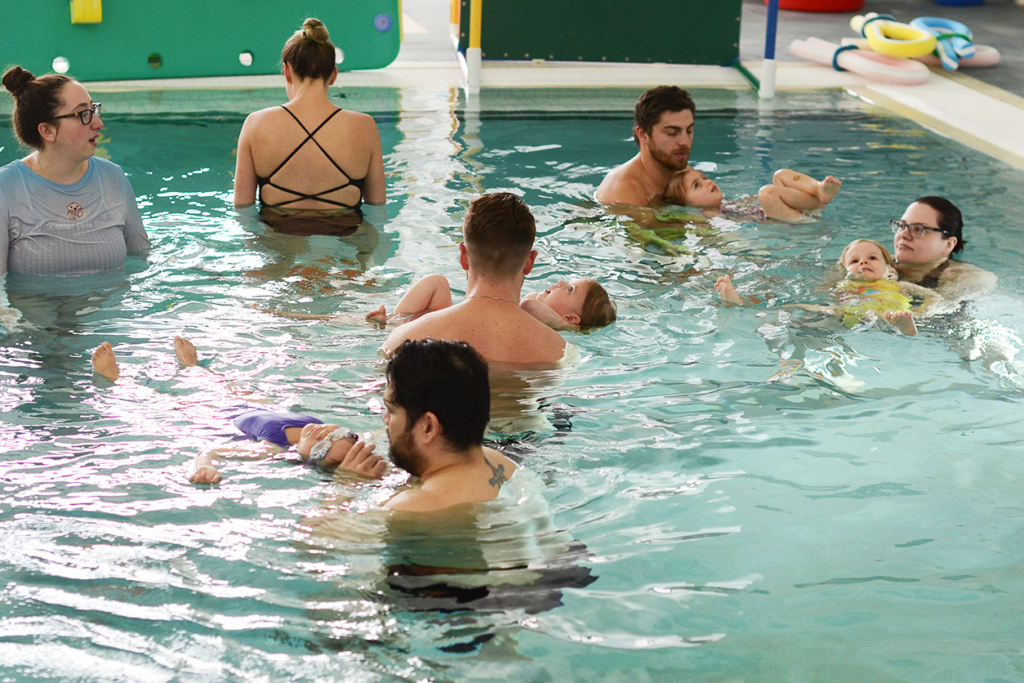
[85, 116]
[917, 230]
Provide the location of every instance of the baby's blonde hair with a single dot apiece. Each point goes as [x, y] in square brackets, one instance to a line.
[598, 308]
[675, 191]
[890, 262]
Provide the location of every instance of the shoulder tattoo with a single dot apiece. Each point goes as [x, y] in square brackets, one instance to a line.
[499, 477]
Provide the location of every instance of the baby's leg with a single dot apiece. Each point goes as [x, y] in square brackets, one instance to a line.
[104, 363]
[775, 208]
[802, 192]
[431, 293]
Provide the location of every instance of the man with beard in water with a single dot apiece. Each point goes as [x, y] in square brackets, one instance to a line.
[436, 408]
[471, 530]
[663, 130]
[504, 553]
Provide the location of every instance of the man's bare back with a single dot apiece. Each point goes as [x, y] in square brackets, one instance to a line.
[498, 329]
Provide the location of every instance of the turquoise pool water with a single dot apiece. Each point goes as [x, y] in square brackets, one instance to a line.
[738, 528]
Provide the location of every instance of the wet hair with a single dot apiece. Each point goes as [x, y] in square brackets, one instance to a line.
[675, 191]
[446, 378]
[309, 52]
[598, 308]
[655, 102]
[498, 231]
[890, 262]
[37, 100]
[951, 221]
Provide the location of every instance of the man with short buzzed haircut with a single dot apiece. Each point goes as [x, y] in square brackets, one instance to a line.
[497, 254]
[663, 130]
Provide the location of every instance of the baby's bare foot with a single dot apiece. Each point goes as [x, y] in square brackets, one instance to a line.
[829, 189]
[104, 363]
[206, 474]
[186, 352]
[379, 316]
[726, 291]
[902, 321]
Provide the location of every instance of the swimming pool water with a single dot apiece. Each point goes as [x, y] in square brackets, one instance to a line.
[738, 528]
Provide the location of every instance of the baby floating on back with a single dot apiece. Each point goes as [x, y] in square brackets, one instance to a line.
[792, 197]
[564, 305]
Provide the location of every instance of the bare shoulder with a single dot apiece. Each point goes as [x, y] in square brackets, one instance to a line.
[968, 274]
[262, 115]
[359, 123]
[260, 124]
[546, 338]
[428, 325]
[622, 185]
[397, 337]
[359, 117]
[961, 269]
[498, 460]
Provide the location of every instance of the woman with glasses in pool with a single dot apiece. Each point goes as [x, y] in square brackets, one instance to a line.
[63, 211]
[928, 233]
[308, 158]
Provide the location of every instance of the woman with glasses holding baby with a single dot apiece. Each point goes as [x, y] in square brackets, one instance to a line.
[63, 211]
[930, 231]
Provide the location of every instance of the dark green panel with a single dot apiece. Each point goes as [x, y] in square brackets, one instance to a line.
[644, 31]
[192, 37]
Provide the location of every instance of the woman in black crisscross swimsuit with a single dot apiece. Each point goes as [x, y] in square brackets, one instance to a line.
[309, 154]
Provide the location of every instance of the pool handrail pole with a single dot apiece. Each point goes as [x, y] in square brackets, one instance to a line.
[473, 55]
[745, 72]
[767, 90]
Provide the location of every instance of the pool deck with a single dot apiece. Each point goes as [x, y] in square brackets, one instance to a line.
[982, 108]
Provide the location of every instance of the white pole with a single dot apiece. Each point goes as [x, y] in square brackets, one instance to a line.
[473, 56]
[473, 70]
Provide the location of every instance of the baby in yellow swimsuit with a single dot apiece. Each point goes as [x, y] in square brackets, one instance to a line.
[870, 290]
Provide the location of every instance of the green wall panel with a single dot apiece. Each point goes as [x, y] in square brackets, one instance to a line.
[193, 38]
[644, 31]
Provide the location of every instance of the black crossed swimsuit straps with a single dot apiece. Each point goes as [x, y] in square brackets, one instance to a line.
[299, 196]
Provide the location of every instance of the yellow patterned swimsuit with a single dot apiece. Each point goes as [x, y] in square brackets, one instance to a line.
[858, 297]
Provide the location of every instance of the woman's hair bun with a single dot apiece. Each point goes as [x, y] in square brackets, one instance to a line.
[15, 79]
[315, 30]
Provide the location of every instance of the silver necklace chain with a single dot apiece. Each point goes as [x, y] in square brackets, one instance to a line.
[496, 298]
